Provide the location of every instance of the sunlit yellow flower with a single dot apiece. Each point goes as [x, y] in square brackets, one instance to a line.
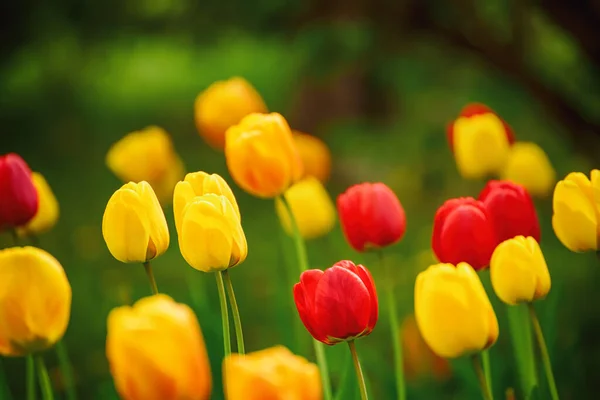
[261, 155]
[48, 210]
[315, 155]
[224, 104]
[211, 237]
[156, 351]
[519, 271]
[452, 310]
[529, 166]
[576, 205]
[271, 374]
[312, 207]
[35, 301]
[134, 225]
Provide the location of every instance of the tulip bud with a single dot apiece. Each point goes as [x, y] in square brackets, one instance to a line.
[274, 373]
[576, 218]
[315, 155]
[48, 210]
[134, 225]
[35, 301]
[312, 207]
[463, 230]
[519, 271]
[529, 166]
[511, 209]
[211, 237]
[344, 307]
[156, 351]
[261, 155]
[18, 196]
[453, 311]
[371, 216]
[222, 105]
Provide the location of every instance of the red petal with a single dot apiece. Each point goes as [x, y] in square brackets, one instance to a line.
[386, 219]
[348, 205]
[304, 297]
[18, 197]
[367, 279]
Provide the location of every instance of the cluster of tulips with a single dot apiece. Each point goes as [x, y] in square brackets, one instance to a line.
[498, 231]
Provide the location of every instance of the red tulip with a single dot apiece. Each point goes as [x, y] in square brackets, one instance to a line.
[337, 304]
[463, 230]
[371, 216]
[511, 209]
[18, 196]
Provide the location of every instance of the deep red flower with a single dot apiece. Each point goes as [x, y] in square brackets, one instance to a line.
[512, 210]
[371, 216]
[18, 196]
[338, 304]
[463, 230]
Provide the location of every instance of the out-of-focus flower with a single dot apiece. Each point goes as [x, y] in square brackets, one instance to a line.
[18, 196]
[312, 207]
[576, 218]
[274, 373]
[147, 155]
[261, 155]
[518, 271]
[35, 301]
[224, 104]
[529, 165]
[511, 209]
[134, 225]
[338, 304]
[156, 351]
[453, 312]
[315, 155]
[48, 210]
[480, 141]
[371, 216]
[211, 237]
[463, 230]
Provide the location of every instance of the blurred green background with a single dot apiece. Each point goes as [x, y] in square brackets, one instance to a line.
[377, 80]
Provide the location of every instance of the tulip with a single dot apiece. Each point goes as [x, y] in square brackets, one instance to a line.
[274, 373]
[480, 141]
[35, 301]
[156, 351]
[338, 304]
[518, 270]
[315, 156]
[18, 196]
[371, 216]
[48, 210]
[576, 205]
[222, 105]
[453, 312]
[134, 226]
[312, 207]
[511, 210]
[528, 165]
[463, 230]
[261, 155]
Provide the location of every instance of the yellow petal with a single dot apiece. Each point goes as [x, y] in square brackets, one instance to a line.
[182, 195]
[155, 220]
[529, 166]
[48, 209]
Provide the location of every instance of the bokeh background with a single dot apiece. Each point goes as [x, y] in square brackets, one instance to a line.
[377, 80]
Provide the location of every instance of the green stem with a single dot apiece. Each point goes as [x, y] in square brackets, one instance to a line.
[537, 329]
[487, 370]
[483, 383]
[150, 274]
[66, 369]
[30, 377]
[224, 314]
[522, 343]
[237, 321]
[44, 378]
[359, 374]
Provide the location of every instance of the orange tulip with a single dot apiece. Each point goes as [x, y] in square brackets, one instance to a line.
[315, 155]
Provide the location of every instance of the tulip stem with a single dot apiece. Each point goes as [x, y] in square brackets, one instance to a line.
[66, 369]
[30, 377]
[44, 378]
[237, 321]
[483, 383]
[359, 373]
[224, 314]
[537, 329]
[487, 370]
[150, 274]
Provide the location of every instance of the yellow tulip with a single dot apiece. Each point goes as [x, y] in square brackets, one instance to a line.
[48, 210]
[315, 156]
[156, 351]
[211, 237]
[529, 166]
[134, 225]
[224, 104]
[312, 207]
[35, 301]
[576, 218]
[261, 155]
[271, 374]
[452, 310]
[519, 271]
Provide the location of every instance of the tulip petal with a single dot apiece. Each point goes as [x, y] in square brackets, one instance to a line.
[304, 297]
[154, 221]
[367, 279]
[575, 220]
[183, 194]
[351, 219]
[512, 272]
